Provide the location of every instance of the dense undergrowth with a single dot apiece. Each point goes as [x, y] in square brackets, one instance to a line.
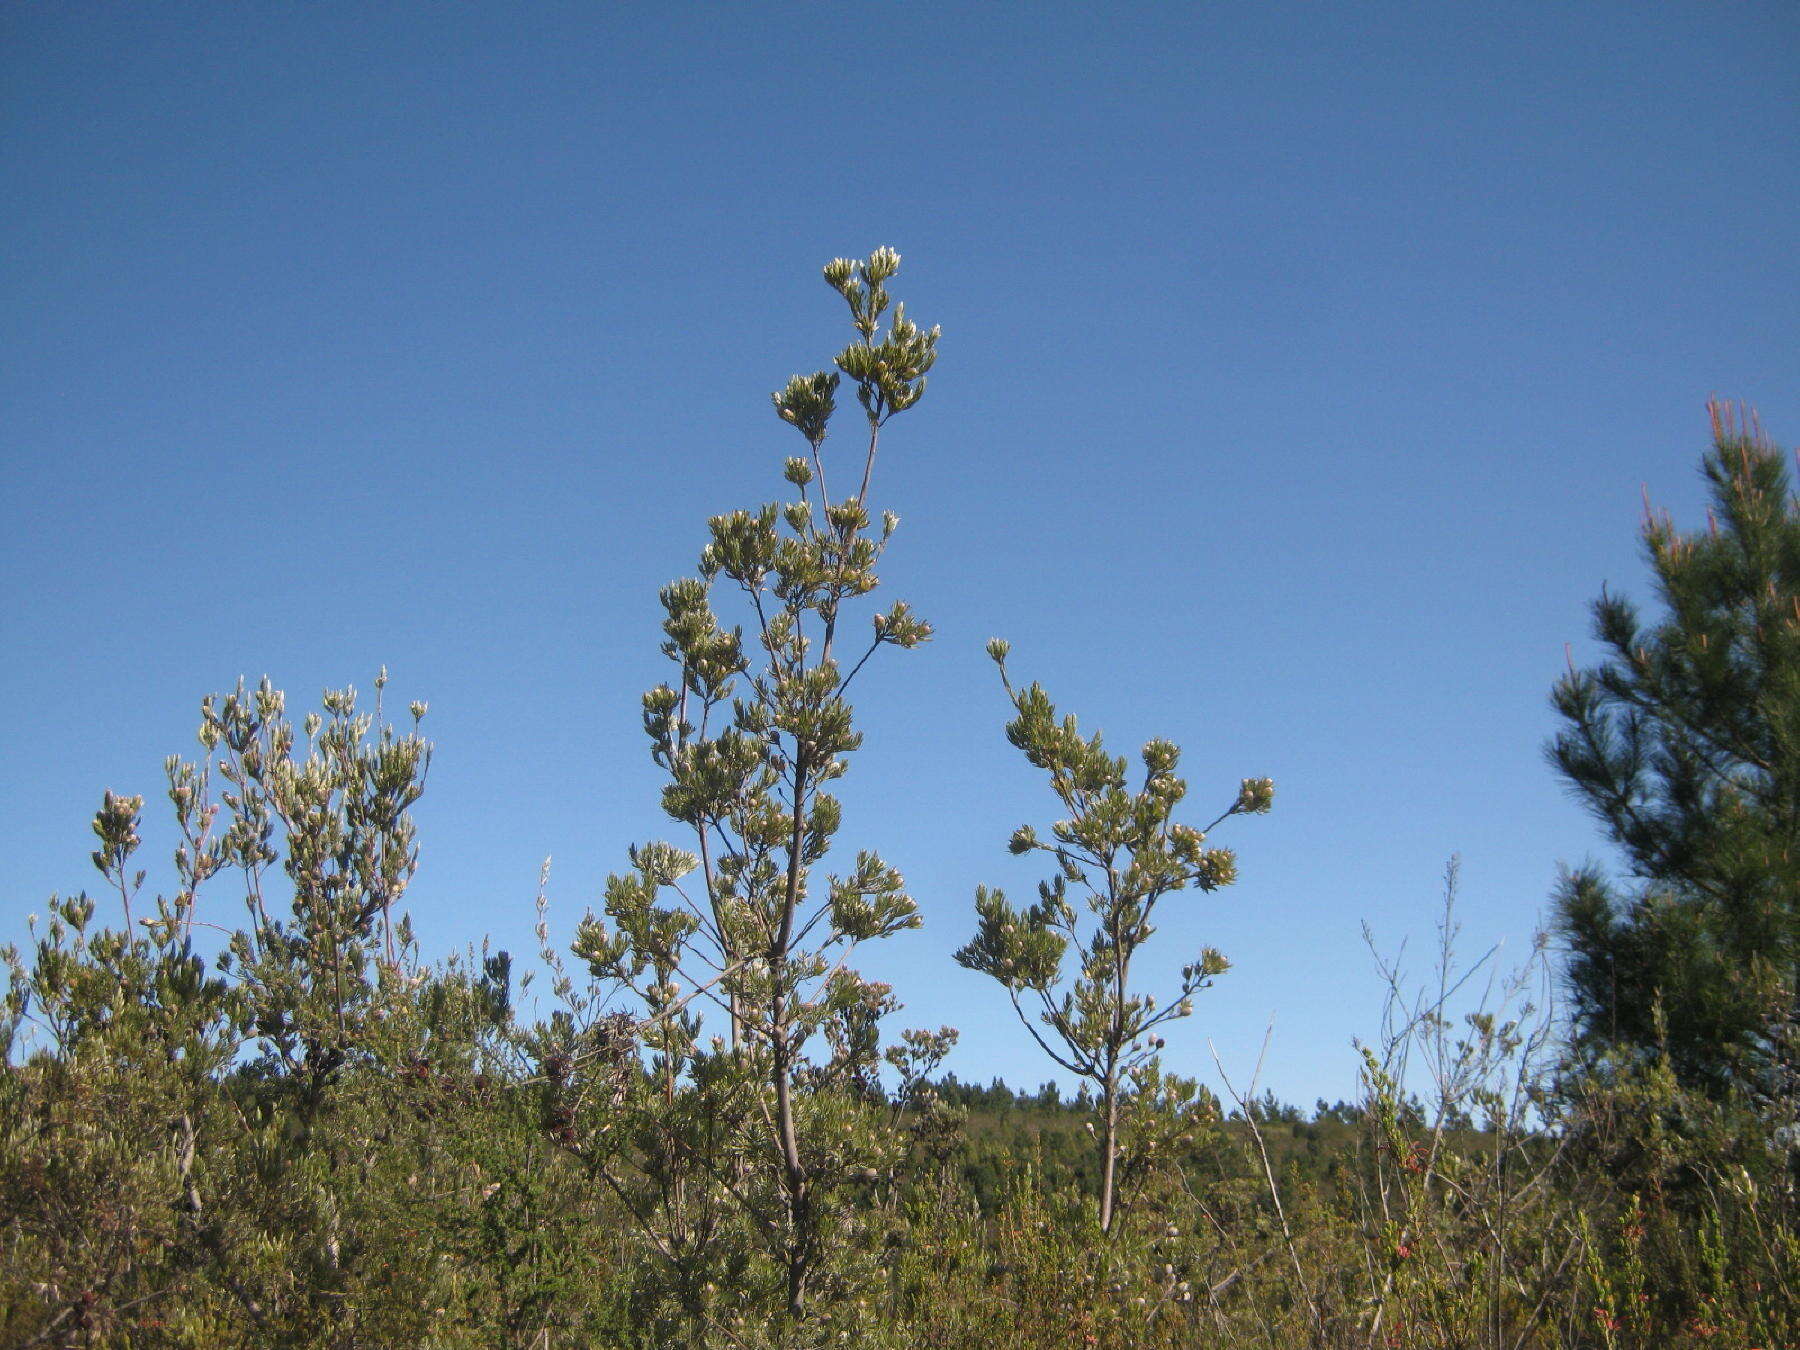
[461, 1179]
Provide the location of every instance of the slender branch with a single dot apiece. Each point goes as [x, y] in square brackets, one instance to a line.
[844, 687]
[862, 493]
[1042, 1043]
[1262, 1152]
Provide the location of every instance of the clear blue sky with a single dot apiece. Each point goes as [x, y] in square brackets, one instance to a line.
[1301, 368]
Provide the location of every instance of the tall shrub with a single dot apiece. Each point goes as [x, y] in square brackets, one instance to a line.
[752, 729]
[1122, 853]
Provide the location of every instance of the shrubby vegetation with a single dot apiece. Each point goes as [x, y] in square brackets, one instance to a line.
[247, 1111]
[1123, 853]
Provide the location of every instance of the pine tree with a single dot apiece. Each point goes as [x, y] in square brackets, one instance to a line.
[1685, 743]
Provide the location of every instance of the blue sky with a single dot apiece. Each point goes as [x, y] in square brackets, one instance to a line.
[1302, 367]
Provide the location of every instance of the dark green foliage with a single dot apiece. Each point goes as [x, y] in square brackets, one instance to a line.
[1685, 743]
